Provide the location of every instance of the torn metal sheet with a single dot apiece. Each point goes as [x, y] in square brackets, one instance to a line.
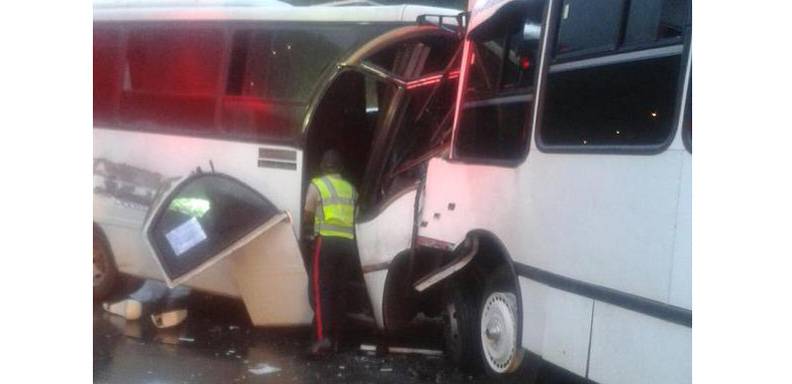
[271, 277]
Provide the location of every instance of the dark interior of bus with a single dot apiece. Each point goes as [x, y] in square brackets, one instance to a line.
[385, 134]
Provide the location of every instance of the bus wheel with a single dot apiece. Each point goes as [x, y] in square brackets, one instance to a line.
[460, 326]
[105, 274]
[498, 325]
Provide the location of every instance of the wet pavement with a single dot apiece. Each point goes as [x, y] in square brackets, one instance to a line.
[217, 344]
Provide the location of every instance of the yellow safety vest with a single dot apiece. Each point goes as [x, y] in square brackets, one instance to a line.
[336, 218]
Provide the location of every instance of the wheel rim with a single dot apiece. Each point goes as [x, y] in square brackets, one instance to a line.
[99, 266]
[499, 332]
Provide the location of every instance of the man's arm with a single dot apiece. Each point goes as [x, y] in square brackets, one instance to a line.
[311, 204]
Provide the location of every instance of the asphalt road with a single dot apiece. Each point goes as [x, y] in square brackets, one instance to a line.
[217, 344]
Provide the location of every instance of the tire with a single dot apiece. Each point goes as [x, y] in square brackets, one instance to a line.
[498, 324]
[460, 326]
[105, 277]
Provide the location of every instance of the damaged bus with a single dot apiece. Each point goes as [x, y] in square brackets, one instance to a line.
[209, 121]
[560, 210]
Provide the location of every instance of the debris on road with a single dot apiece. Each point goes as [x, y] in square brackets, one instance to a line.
[419, 351]
[263, 369]
[403, 350]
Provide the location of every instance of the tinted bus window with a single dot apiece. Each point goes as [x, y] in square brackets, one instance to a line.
[172, 78]
[300, 57]
[106, 79]
[627, 97]
[284, 65]
[247, 109]
[272, 75]
[493, 123]
[520, 59]
[629, 103]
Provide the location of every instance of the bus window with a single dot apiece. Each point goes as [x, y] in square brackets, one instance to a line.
[588, 26]
[493, 122]
[650, 21]
[623, 98]
[272, 75]
[520, 59]
[247, 109]
[306, 53]
[628, 103]
[106, 80]
[171, 78]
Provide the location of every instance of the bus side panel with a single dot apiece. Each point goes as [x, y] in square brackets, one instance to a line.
[628, 347]
[606, 220]
[130, 167]
[462, 197]
[681, 275]
[556, 325]
[379, 240]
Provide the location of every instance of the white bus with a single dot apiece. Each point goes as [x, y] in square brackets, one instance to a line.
[565, 196]
[256, 90]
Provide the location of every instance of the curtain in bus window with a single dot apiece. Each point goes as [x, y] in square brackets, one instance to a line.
[649, 21]
[171, 78]
[106, 80]
[589, 26]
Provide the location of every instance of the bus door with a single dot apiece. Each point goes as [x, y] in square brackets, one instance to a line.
[415, 128]
[208, 217]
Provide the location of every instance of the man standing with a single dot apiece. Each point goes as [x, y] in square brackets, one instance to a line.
[330, 205]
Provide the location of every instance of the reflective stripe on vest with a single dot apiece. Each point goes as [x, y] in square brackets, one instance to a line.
[336, 218]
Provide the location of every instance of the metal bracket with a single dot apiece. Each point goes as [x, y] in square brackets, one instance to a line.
[459, 29]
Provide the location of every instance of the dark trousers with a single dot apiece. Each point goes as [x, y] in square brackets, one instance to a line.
[332, 267]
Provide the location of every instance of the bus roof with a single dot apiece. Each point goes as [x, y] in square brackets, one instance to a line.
[271, 10]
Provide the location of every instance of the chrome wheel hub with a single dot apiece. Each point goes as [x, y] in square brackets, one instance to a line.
[499, 332]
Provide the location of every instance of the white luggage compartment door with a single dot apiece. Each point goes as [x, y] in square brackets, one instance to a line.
[207, 217]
